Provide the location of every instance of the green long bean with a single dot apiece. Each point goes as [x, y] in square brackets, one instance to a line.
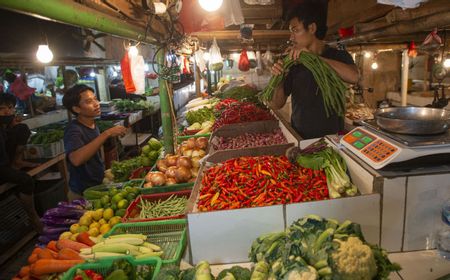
[172, 206]
[330, 84]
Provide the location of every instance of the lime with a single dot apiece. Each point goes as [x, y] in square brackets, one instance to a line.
[97, 204]
[131, 196]
[114, 207]
[105, 199]
[146, 149]
[128, 188]
[120, 212]
[147, 161]
[123, 204]
[113, 191]
[116, 198]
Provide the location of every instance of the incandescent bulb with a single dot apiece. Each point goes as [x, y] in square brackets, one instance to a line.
[367, 54]
[374, 66]
[447, 63]
[44, 54]
[210, 5]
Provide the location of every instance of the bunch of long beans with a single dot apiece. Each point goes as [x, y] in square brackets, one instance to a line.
[330, 84]
[173, 206]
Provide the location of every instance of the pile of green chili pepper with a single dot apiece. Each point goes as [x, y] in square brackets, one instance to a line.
[330, 84]
[173, 206]
[259, 181]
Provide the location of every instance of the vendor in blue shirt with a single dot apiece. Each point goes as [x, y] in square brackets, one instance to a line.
[83, 140]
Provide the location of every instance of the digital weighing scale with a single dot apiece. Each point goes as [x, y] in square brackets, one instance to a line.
[379, 148]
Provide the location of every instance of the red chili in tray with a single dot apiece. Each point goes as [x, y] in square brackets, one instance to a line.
[259, 181]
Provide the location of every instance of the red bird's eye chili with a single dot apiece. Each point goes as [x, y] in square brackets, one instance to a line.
[259, 181]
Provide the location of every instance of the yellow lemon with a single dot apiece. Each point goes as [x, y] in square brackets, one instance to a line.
[88, 213]
[108, 214]
[74, 237]
[102, 222]
[105, 228]
[74, 228]
[94, 225]
[65, 235]
[94, 232]
[98, 214]
[114, 220]
[85, 220]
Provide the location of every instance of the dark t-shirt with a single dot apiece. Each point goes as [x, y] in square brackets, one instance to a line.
[90, 173]
[309, 118]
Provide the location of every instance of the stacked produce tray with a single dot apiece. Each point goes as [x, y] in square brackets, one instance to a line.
[104, 266]
[170, 235]
[134, 208]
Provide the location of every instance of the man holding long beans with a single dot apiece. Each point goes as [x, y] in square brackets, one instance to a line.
[315, 83]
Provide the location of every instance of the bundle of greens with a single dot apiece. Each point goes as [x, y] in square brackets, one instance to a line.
[319, 155]
[126, 105]
[201, 115]
[47, 137]
[316, 248]
[123, 169]
[243, 93]
[330, 84]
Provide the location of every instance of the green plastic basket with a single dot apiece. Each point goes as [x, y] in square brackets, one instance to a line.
[170, 235]
[103, 266]
[164, 189]
[182, 138]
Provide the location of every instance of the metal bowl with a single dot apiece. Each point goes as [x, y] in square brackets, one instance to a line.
[413, 120]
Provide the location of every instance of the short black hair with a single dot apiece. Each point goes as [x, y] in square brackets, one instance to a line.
[7, 99]
[310, 12]
[73, 96]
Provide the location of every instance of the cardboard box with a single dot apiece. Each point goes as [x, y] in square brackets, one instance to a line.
[235, 130]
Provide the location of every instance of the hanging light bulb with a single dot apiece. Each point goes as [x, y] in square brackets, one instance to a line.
[374, 65]
[44, 54]
[92, 74]
[367, 54]
[447, 63]
[210, 5]
[133, 51]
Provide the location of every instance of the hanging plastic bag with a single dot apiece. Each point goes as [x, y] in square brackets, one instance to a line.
[259, 64]
[268, 58]
[126, 74]
[233, 13]
[215, 57]
[199, 60]
[137, 66]
[20, 89]
[244, 64]
[251, 59]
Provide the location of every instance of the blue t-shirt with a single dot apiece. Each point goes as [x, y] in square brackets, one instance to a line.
[91, 172]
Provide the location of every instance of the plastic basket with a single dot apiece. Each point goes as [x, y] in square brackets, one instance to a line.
[170, 235]
[165, 189]
[133, 209]
[103, 266]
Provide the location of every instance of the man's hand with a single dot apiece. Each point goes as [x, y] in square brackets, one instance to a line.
[277, 68]
[116, 131]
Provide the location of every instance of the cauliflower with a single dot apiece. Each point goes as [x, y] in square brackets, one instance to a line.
[310, 273]
[354, 260]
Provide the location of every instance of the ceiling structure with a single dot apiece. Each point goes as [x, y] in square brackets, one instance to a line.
[371, 23]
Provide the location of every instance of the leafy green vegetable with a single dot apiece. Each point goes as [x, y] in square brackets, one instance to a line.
[169, 273]
[334, 166]
[200, 116]
[47, 137]
[239, 273]
[310, 247]
[123, 169]
[104, 125]
[127, 105]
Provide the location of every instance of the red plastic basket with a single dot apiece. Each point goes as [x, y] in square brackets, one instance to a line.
[137, 174]
[133, 209]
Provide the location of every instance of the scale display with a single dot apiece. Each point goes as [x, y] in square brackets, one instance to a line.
[374, 150]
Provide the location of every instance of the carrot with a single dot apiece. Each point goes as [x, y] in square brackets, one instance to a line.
[66, 243]
[32, 258]
[68, 254]
[47, 254]
[52, 246]
[36, 250]
[24, 271]
[84, 238]
[46, 266]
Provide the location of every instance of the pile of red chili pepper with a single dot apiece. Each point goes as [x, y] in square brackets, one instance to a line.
[224, 104]
[259, 181]
[240, 112]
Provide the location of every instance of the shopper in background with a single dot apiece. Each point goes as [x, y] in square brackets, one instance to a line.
[13, 138]
[82, 140]
[307, 24]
